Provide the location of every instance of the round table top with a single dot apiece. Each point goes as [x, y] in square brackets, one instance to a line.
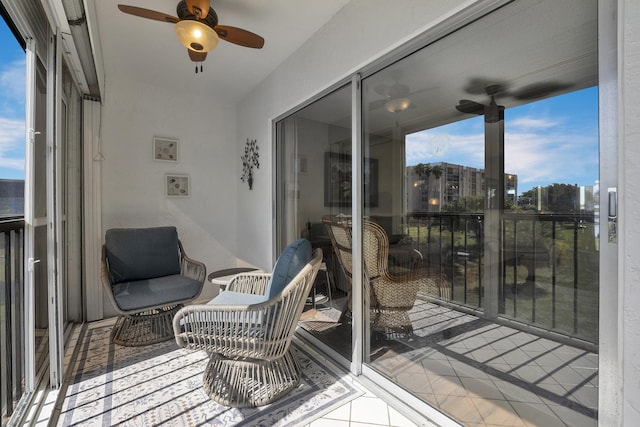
[222, 277]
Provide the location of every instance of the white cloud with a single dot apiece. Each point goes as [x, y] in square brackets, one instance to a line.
[12, 110]
[12, 135]
[544, 158]
[12, 88]
[531, 123]
[427, 147]
[539, 151]
[11, 163]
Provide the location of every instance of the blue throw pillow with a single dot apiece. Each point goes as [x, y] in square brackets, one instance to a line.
[291, 261]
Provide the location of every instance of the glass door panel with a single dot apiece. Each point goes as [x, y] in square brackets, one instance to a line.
[314, 181]
[551, 230]
[40, 222]
[36, 321]
[480, 238]
[12, 116]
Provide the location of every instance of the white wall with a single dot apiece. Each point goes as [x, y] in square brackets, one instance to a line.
[362, 31]
[629, 136]
[132, 182]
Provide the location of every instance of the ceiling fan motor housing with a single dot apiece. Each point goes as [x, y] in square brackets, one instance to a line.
[183, 12]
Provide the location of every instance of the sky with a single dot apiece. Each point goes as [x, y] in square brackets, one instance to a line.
[550, 141]
[12, 106]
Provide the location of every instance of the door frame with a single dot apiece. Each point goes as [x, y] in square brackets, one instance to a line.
[29, 247]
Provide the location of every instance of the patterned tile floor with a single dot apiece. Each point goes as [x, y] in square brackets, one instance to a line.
[366, 410]
[482, 374]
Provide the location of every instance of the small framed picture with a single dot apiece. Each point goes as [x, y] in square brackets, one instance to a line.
[177, 185]
[165, 149]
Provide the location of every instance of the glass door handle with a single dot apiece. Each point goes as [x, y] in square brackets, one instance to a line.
[612, 214]
[613, 204]
[31, 263]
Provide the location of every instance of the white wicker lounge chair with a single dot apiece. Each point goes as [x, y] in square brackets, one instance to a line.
[147, 277]
[247, 330]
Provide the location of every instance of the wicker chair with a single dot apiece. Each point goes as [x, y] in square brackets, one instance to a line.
[247, 331]
[147, 277]
[390, 293]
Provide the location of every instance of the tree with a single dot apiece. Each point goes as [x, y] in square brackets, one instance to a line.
[557, 198]
[467, 204]
[437, 171]
[423, 171]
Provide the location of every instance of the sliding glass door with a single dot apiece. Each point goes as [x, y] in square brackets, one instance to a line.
[484, 292]
[476, 250]
[314, 181]
[42, 283]
[36, 276]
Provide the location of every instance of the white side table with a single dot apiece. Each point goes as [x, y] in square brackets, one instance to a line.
[223, 277]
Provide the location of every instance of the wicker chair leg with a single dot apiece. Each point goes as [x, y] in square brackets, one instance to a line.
[148, 327]
[244, 383]
[392, 323]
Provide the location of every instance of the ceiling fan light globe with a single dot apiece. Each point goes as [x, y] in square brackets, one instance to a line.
[397, 105]
[196, 36]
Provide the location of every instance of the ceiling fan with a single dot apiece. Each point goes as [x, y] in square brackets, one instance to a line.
[197, 28]
[396, 96]
[494, 112]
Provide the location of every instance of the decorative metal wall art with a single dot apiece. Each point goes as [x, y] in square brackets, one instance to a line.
[250, 159]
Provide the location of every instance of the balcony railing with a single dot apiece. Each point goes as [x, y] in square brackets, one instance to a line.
[11, 314]
[549, 265]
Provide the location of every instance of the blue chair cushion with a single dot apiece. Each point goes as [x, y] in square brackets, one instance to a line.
[166, 290]
[142, 253]
[291, 261]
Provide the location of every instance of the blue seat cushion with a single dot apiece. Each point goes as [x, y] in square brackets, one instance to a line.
[142, 253]
[166, 290]
[291, 261]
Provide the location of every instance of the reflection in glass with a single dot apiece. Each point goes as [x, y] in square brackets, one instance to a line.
[488, 171]
[314, 180]
[41, 332]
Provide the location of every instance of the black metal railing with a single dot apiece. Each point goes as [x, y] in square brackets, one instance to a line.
[11, 314]
[549, 265]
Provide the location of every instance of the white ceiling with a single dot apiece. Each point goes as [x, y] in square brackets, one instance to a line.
[499, 49]
[142, 49]
[558, 53]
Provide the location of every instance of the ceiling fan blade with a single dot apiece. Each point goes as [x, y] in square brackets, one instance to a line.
[539, 90]
[239, 36]
[147, 13]
[377, 104]
[470, 107]
[396, 90]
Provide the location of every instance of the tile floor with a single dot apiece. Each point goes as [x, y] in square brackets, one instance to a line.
[487, 374]
[481, 373]
[366, 410]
